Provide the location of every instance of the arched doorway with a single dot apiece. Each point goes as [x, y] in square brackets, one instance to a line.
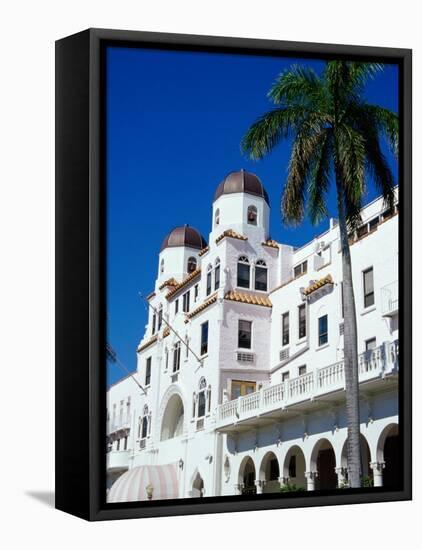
[173, 418]
[294, 467]
[388, 452]
[324, 461]
[198, 486]
[270, 473]
[365, 463]
[247, 476]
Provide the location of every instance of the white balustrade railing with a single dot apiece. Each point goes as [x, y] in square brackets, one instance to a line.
[371, 364]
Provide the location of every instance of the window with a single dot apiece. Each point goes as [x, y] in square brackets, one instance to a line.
[191, 264]
[144, 423]
[217, 217]
[302, 320]
[128, 409]
[204, 338]
[285, 376]
[196, 293]
[323, 330]
[261, 273]
[166, 362]
[162, 266]
[201, 404]
[217, 274]
[241, 387]
[285, 321]
[209, 280]
[243, 272]
[301, 269]
[373, 223]
[209, 398]
[125, 443]
[176, 357]
[186, 300]
[245, 334]
[362, 230]
[176, 306]
[154, 321]
[252, 215]
[160, 316]
[148, 372]
[370, 344]
[187, 347]
[368, 287]
[302, 370]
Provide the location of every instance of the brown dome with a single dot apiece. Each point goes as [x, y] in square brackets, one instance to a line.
[184, 236]
[242, 182]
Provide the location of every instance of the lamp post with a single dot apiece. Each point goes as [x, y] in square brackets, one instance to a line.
[150, 490]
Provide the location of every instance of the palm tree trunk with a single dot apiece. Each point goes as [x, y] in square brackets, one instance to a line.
[350, 348]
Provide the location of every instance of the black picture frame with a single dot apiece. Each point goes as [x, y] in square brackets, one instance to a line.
[80, 269]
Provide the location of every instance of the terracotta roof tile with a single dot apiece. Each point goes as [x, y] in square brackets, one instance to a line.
[148, 343]
[183, 283]
[166, 332]
[327, 280]
[200, 308]
[271, 243]
[203, 251]
[246, 298]
[230, 233]
[169, 282]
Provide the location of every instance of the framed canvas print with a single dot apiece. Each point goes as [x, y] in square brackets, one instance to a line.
[233, 274]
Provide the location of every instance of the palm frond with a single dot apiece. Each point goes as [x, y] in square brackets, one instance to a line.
[305, 149]
[269, 129]
[297, 85]
[319, 182]
[387, 123]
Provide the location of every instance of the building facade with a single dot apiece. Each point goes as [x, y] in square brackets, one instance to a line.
[241, 363]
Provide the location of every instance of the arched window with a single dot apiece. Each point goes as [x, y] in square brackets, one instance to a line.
[252, 215]
[209, 279]
[154, 322]
[209, 398]
[261, 275]
[202, 398]
[166, 359]
[217, 217]
[191, 264]
[144, 427]
[243, 272]
[217, 274]
[162, 266]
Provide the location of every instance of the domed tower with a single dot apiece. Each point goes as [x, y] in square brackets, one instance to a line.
[241, 203]
[179, 253]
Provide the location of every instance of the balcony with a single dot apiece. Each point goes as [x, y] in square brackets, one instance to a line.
[305, 392]
[118, 460]
[118, 425]
[390, 299]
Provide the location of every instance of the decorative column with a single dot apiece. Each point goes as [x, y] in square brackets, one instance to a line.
[259, 484]
[310, 480]
[377, 468]
[341, 476]
[238, 488]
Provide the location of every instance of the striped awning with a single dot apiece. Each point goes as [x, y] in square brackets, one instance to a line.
[132, 485]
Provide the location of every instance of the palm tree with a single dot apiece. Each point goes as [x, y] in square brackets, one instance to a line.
[336, 139]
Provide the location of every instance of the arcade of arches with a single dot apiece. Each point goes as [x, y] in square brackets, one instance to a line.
[324, 473]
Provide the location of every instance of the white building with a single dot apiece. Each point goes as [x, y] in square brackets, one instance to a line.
[245, 391]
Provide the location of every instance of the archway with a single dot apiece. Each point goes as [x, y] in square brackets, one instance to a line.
[388, 452]
[270, 473]
[294, 467]
[173, 418]
[247, 476]
[198, 486]
[323, 460]
[365, 464]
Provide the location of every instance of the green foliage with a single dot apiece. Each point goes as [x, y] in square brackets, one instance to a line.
[334, 131]
[291, 488]
[367, 481]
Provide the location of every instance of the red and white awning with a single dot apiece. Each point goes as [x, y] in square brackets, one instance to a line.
[132, 485]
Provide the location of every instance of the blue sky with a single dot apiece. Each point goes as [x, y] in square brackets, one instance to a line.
[174, 124]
